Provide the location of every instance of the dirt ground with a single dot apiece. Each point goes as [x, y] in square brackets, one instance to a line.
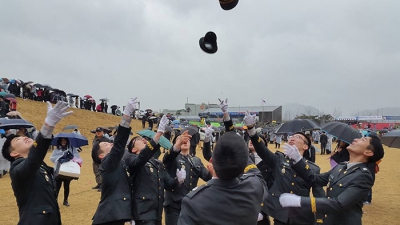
[84, 200]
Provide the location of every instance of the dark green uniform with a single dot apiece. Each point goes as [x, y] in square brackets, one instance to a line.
[194, 170]
[116, 195]
[149, 178]
[346, 190]
[286, 180]
[34, 187]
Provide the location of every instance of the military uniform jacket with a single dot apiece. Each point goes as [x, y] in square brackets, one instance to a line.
[149, 178]
[115, 202]
[194, 170]
[34, 187]
[232, 202]
[346, 190]
[286, 180]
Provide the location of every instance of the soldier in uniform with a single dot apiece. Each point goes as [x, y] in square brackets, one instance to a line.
[149, 177]
[115, 204]
[226, 199]
[31, 179]
[347, 184]
[99, 137]
[194, 168]
[286, 179]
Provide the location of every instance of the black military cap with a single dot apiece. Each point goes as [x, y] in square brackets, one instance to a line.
[228, 4]
[208, 43]
[230, 156]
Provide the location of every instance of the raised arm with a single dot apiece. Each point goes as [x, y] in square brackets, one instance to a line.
[39, 148]
[207, 144]
[117, 151]
[265, 154]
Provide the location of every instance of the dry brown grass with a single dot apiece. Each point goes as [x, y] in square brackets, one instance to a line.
[84, 200]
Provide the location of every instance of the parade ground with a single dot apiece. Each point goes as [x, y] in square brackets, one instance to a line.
[84, 200]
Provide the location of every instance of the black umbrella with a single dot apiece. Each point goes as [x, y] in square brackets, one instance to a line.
[391, 139]
[298, 125]
[71, 127]
[341, 131]
[114, 107]
[104, 99]
[70, 94]
[38, 85]
[14, 124]
[9, 96]
[192, 130]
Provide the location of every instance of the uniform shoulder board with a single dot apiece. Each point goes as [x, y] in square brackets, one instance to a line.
[158, 161]
[197, 190]
[246, 175]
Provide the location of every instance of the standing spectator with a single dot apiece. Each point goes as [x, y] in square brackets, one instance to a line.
[2, 107]
[99, 137]
[105, 107]
[63, 147]
[329, 144]
[278, 140]
[323, 139]
[310, 153]
[194, 141]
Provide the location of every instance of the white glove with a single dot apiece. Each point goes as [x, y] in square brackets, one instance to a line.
[290, 200]
[249, 120]
[181, 175]
[163, 123]
[130, 107]
[223, 105]
[260, 217]
[54, 115]
[292, 152]
[133, 222]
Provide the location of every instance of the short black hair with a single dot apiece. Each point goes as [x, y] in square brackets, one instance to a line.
[376, 147]
[230, 156]
[96, 151]
[5, 151]
[130, 144]
[59, 142]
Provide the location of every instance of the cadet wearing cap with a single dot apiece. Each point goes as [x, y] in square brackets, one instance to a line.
[347, 184]
[286, 179]
[31, 179]
[226, 198]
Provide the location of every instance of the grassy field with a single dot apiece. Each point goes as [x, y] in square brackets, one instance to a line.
[84, 200]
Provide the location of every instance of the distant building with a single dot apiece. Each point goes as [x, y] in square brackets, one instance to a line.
[213, 112]
[265, 113]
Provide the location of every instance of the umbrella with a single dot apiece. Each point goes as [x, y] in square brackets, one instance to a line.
[176, 122]
[341, 131]
[88, 96]
[13, 113]
[2, 87]
[15, 124]
[70, 94]
[169, 129]
[71, 127]
[104, 99]
[8, 95]
[38, 85]
[383, 131]
[114, 107]
[11, 99]
[75, 140]
[2, 93]
[192, 130]
[164, 142]
[391, 139]
[5, 80]
[298, 125]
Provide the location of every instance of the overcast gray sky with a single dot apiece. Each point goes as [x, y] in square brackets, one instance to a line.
[327, 54]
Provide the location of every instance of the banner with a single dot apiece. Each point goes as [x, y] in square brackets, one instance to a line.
[391, 117]
[369, 118]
